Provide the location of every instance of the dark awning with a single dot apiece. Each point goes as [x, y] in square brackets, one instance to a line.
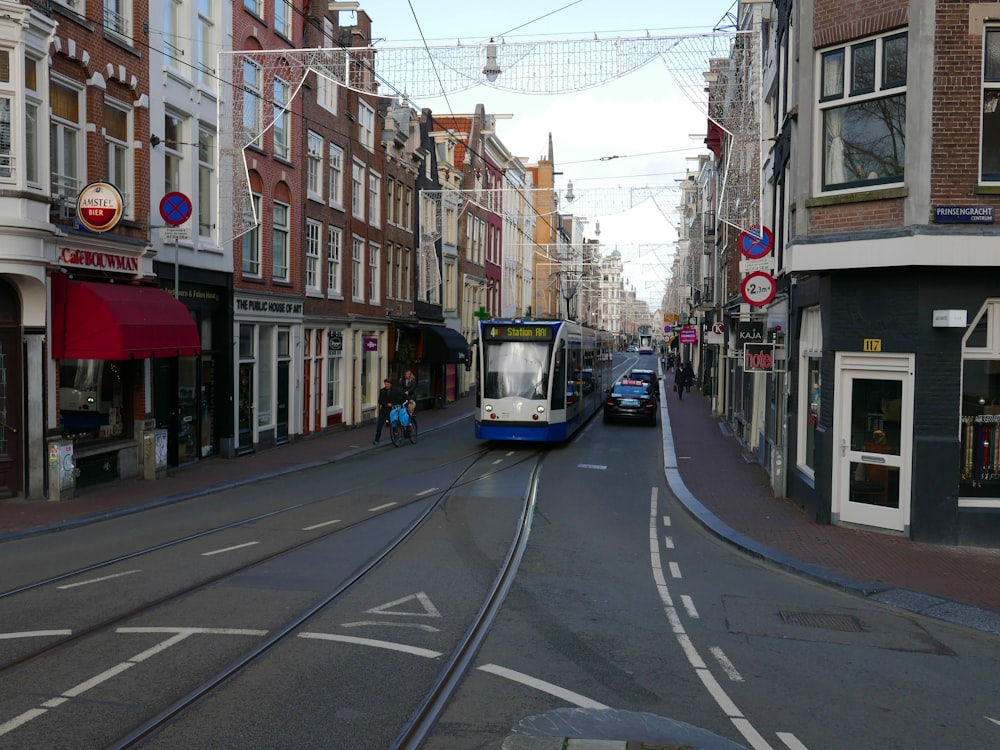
[443, 345]
[92, 320]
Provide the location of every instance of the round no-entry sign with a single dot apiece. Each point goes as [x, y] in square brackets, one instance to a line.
[756, 242]
[175, 208]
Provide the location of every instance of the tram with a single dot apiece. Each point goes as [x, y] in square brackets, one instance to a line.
[539, 380]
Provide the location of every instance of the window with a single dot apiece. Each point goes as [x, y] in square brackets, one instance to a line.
[314, 165]
[172, 49]
[282, 133]
[265, 376]
[390, 204]
[374, 199]
[334, 364]
[810, 382]
[255, 6]
[979, 424]
[313, 229]
[6, 106]
[357, 280]
[32, 104]
[863, 113]
[280, 246]
[366, 126]
[206, 44]
[326, 89]
[118, 150]
[118, 18]
[206, 180]
[357, 190]
[173, 137]
[405, 284]
[991, 113]
[251, 243]
[283, 18]
[336, 176]
[253, 99]
[373, 274]
[334, 242]
[391, 254]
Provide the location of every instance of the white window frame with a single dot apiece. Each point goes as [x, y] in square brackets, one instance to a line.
[281, 129]
[314, 165]
[254, 6]
[335, 173]
[366, 125]
[283, 18]
[253, 101]
[252, 242]
[67, 185]
[358, 190]
[334, 377]
[174, 137]
[334, 267]
[327, 90]
[118, 19]
[173, 50]
[312, 238]
[120, 155]
[374, 199]
[281, 216]
[206, 44]
[374, 275]
[207, 184]
[357, 268]
[833, 100]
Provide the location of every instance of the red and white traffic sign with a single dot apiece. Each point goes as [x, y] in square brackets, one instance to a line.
[758, 288]
[175, 208]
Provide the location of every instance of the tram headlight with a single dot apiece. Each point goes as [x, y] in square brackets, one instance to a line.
[488, 407]
[540, 409]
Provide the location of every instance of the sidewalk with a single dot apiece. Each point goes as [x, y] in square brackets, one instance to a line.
[705, 469]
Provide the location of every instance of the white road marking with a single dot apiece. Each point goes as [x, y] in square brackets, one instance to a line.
[668, 542]
[97, 580]
[380, 507]
[428, 491]
[366, 623]
[791, 741]
[688, 603]
[989, 718]
[412, 650]
[510, 453]
[78, 690]
[33, 634]
[429, 610]
[720, 696]
[228, 549]
[546, 687]
[320, 525]
[675, 570]
[599, 467]
[727, 666]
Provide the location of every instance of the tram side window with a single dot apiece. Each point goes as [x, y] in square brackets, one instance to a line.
[91, 399]
[559, 376]
[517, 368]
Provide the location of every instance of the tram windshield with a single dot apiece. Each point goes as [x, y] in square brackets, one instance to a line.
[517, 368]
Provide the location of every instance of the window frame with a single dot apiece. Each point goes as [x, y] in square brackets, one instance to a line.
[120, 153]
[989, 137]
[281, 127]
[281, 238]
[335, 176]
[252, 242]
[334, 262]
[314, 165]
[312, 242]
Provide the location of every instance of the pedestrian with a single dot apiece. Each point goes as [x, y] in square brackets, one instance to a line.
[388, 396]
[409, 388]
[683, 378]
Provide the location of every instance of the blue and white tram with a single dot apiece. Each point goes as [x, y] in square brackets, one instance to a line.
[539, 380]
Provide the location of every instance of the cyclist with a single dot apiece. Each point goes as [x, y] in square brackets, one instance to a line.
[409, 388]
[388, 396]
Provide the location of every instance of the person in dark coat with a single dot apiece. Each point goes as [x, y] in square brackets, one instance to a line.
[683, 378]
[388, 396]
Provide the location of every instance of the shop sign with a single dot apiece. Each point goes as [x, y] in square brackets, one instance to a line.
[100, 206]
[270, 306]
[758, 358]
[335, 340]
[98, 260]
[750, 332]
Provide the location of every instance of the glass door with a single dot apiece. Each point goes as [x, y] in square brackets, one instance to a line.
[874, 422]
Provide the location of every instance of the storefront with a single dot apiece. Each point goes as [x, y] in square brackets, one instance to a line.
[434, 353]
[105, 334]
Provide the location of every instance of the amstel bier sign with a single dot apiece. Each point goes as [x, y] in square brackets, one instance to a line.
[100, 206]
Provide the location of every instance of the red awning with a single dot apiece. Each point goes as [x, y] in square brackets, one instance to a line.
[92, 320]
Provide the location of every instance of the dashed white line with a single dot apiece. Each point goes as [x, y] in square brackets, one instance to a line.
[675, 570]
[320, 525]
[380, 507]
[34, 634]
[228, 549]
[688, 603]
[599, 467]
[498, 461]
[666, 520]
[97, 580]
[428, 491]
[727, 666]
[668, 542]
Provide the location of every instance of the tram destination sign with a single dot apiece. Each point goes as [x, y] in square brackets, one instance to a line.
[517, 332]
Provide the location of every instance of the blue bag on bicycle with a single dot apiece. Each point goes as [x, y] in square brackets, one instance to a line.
[404, 416]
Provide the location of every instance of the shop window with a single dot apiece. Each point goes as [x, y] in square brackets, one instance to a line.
[980, 419]
[93, 404]
[810, 388]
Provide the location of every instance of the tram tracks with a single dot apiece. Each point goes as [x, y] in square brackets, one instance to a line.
[426, 506]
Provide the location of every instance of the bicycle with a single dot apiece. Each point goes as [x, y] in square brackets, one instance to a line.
[402, 425]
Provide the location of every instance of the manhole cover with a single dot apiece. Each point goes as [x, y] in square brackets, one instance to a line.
[843, 623]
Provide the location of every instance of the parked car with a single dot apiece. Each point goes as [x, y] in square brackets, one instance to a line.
[630, 400]
[630, 348]
[647, 376]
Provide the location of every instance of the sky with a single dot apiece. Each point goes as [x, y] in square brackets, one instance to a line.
[634, 132]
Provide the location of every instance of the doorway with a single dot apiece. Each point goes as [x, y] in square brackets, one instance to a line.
[11, 395]
[873, 404]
